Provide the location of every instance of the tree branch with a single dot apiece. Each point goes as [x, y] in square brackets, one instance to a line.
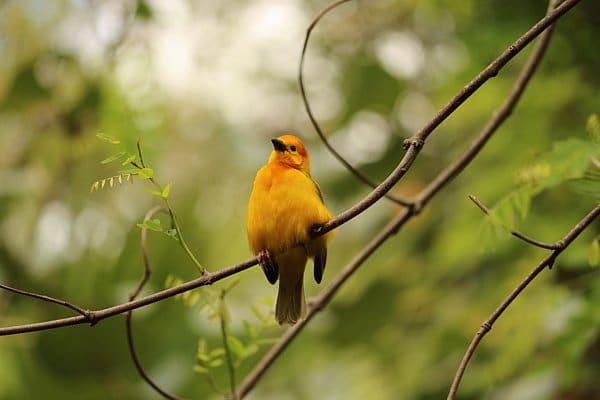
[444, 178]
[527, 239]
[365, 179]
[94, 317]
[548, 261]
[413, 145]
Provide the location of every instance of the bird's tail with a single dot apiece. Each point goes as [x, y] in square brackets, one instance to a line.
[291, 305]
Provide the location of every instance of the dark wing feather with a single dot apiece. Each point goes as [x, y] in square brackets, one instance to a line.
[320, 261]
[271, 269]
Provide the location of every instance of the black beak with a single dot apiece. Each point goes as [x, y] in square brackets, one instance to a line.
[278, 145]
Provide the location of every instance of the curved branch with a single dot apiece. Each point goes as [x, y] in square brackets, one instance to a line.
[548, 261]
[128, 316]
[365, 179]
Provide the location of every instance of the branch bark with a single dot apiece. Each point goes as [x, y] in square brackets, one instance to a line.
[547, 262]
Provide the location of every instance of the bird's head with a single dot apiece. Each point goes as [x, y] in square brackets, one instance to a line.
[290, 151]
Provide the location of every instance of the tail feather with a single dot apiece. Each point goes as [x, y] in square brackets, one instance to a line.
[291, 305]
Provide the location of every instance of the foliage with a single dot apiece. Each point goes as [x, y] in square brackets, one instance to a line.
[204, 85]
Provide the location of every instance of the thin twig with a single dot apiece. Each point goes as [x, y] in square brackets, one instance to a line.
[361, 176]
[48, 299]
[547, 262]
[174, 221]
[144, 246]
[525, 238]
[128, 316]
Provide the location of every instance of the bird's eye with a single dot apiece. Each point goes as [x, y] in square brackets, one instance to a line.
[292, 148]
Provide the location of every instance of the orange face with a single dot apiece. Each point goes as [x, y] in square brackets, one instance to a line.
[290, 150]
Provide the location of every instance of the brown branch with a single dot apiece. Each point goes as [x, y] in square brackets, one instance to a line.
[48, 299]
[444, 178]
[548, 261]
[525, 238]
[497, 119]
[128, 316]
[413, 145]
[361, 176]
[94, 317]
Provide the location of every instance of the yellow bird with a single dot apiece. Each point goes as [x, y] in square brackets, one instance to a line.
[285, 205]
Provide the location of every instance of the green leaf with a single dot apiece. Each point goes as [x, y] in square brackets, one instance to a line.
[251, 331]
[215, 363]
[153, 192]
[95, 187]
[153, 225]
[236, 346]
[167, 190]
[594, 253]
[219, 351]
[130, 159]
[589, 184]
[107, 138]
[145, 173]
[203, 357]
[251, 349]
[112, 158]
[200, 369]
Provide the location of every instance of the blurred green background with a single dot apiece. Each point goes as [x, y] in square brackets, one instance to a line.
[204, 85]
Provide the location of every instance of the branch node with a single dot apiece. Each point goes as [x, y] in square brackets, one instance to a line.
[485, 328]
[559, 245]
[414, 142]
[416, 207]
[90, 316]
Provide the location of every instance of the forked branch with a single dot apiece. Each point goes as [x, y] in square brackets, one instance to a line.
[547, 262]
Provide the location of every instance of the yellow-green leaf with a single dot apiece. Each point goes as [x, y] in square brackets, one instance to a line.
[130, 159]
[167, 190]
[236, 346]
[146, 173]
[107, 138]
[113, 157]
